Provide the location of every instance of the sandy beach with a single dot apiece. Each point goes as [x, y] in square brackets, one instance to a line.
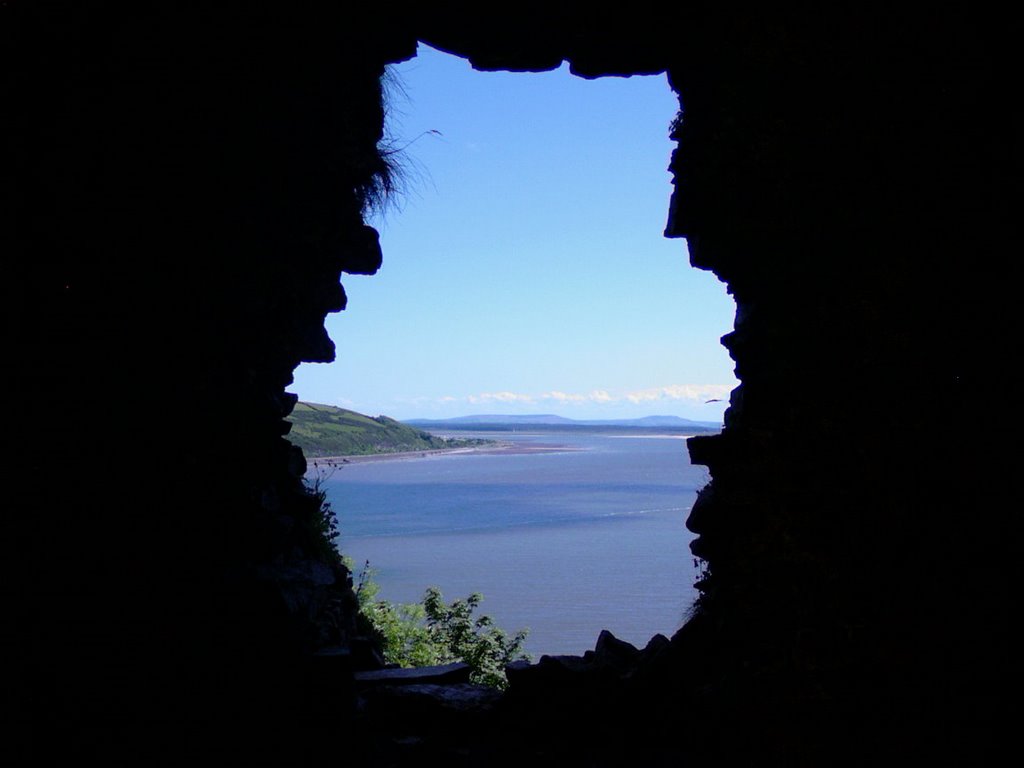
[499, 447]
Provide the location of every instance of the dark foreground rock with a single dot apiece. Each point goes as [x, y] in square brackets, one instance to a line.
[183, 188]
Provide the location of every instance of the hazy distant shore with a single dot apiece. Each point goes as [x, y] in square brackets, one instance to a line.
[497, 447]
[658, 436]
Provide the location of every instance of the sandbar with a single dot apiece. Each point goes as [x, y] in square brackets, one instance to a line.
[498, 447]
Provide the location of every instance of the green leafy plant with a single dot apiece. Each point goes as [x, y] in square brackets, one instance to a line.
[319, 527]
[435, 632]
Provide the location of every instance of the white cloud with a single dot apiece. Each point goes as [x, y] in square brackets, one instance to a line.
[500, 397]
[691, 392]
[563, 397]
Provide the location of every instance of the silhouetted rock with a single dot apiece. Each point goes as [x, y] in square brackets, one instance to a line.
[426, 701]
[185, 188]
[443, 674]
[617, 654]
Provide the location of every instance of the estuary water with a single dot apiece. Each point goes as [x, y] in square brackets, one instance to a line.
[567, 542]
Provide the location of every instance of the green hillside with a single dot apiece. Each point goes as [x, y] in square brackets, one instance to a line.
[326, 430]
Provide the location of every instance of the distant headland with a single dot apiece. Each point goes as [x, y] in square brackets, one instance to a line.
[329, 432]
[551, 421]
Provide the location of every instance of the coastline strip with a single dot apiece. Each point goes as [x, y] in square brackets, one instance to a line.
[505, 448]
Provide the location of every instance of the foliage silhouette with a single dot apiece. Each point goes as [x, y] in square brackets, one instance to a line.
[435, 632]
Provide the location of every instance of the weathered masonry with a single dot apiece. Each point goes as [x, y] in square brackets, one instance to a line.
[183, 189]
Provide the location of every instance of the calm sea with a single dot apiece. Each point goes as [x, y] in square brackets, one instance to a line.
[566, 543]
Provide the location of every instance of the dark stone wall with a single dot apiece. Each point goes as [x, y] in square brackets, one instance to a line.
[186, 188]
[845, 173]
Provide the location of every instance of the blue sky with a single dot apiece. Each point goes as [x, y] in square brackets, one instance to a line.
[525, 269]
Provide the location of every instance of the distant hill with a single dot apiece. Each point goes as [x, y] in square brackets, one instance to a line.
[656, 421]
[326, 430]
[550, 420]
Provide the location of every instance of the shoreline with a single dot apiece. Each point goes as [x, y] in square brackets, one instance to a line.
[500, 447]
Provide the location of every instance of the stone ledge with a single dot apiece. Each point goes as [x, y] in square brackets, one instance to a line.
[444, 674]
